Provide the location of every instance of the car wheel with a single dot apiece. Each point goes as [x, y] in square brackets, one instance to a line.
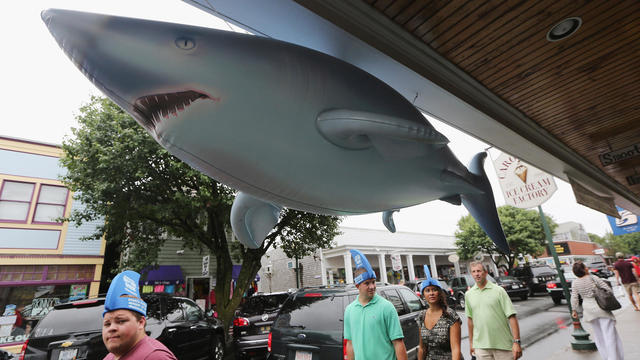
[461, 300]
[524, 297]
[556, 300]
[217, 348]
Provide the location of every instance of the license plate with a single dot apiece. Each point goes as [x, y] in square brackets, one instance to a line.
[68, 354]
[265, 329]
[303, 355]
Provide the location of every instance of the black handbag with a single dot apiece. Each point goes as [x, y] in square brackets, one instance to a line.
[605, 298]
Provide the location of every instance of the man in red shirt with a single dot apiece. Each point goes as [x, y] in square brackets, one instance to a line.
[124, 320]
[624, 271]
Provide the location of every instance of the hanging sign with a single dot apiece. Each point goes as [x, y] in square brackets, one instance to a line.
[588, 198]
[613, 157]
[396, 262]
[205, 265]
[628, 222]
[523, 185]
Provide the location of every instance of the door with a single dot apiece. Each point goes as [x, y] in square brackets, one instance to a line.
[199, 332]
[407, 320]
[412, 330]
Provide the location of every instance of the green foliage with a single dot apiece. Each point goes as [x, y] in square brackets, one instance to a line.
[626, 244]
[146, 196]
[522, 228]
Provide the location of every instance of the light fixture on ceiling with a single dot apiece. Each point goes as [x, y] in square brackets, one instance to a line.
[564, 29]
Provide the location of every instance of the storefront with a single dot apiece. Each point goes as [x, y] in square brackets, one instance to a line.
[163, 279]
[28, 292]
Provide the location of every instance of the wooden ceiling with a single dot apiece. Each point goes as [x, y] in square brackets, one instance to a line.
[584, 89]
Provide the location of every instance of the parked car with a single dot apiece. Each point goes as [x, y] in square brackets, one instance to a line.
[6, 355]
[451, 299]
[252, 324]
[462, 283]
[74, 330]
[534, 277]
[599, 269]
[554, 288]
[310, 323]
[513, 287]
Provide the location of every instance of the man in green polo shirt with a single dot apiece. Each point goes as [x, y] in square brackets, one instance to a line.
[494, 332]
[371, 324]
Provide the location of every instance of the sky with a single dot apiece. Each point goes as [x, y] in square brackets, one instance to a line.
[42, 92]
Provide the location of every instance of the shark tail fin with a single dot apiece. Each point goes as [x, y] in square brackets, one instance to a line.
[482, 205]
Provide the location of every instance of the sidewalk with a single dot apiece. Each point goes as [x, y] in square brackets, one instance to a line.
[557, 346]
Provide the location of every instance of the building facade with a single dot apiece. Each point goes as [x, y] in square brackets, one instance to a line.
[42, 260]
[572, 243]
[395, 258]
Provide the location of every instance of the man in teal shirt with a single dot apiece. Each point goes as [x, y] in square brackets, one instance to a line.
[371, 324]
[494, 332]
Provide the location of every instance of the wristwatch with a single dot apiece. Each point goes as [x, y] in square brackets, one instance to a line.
[517, 341]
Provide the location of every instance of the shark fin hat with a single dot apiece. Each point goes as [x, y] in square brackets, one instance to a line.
[429, 280]
[361, 262]
[124, 293]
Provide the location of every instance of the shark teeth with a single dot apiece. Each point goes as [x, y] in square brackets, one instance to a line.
[152, 108]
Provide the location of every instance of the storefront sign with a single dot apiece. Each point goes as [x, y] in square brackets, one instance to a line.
[598, 251]
[620, 155]
[523, 185]
[633, 179]
[562, 248]
[628, 222]
[588, 198]
[77, 292]
[396, 262]
[205, 265]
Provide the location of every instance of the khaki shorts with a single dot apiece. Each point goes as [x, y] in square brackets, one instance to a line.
[493, 354]
[631, 287]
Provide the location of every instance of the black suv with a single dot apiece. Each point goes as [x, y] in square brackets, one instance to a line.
[599, 269]
[534, 277]
[74, 330]
[252, 324]
[310, 323]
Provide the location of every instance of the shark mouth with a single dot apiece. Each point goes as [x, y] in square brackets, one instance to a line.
[152, 108]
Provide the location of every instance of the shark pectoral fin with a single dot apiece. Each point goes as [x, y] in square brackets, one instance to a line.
[353, 129]
[462, 184]
[252, 219]
[453, 199]
[387, 220]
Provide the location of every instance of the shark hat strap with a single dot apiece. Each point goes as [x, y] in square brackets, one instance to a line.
[124, 293]
[361, 262]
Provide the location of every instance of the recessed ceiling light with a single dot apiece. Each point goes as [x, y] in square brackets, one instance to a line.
[564, 29]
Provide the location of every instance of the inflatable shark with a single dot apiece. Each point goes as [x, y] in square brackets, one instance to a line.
[283, 124]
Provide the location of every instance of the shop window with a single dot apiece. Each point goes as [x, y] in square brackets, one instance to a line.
[15, 200]
[51, 203]
[21, 273]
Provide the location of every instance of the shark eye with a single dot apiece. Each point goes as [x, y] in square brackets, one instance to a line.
[185, 43]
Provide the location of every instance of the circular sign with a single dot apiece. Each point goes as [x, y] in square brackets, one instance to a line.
[453, 258]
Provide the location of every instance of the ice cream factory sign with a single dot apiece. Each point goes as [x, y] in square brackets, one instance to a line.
[523, 185]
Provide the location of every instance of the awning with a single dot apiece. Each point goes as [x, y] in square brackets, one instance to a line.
[235, 273]
[162, 275]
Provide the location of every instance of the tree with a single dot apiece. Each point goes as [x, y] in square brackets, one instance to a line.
[626, 243]
[522, 228]
[146, 195]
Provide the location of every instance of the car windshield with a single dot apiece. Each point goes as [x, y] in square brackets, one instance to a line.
[69, 321]
[312, 313]
[539, 270]
[507, 279]
[260, 304]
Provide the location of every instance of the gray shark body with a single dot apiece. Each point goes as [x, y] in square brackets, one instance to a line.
[285, 125]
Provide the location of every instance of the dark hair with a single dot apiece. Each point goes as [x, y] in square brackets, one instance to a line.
[441, 297]
[579, 269]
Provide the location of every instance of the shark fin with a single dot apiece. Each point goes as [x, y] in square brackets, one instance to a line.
[359, 129]
[482, 205]
[252, 219]
[453, 199]
[465, 183]
[387, 220]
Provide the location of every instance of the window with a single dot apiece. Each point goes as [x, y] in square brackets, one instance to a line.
[15, 200]
[51, 203]
[193, 312]
[394, 298]
[174, 311]
[312, 313]
[411, 299]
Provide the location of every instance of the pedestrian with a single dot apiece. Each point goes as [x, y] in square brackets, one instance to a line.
[494, 332]
[635, 261]
[439, 325]
[602, 321]
[124, 320]
[371, 324]
[626, 275]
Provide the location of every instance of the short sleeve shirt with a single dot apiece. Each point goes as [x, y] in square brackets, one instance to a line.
[146, 349]
[625, 269]
[371, 328]
[490, 309]
[437, 340]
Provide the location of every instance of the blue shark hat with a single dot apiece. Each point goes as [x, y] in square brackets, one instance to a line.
[124, 293]
[429, 281]
[361, 262]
